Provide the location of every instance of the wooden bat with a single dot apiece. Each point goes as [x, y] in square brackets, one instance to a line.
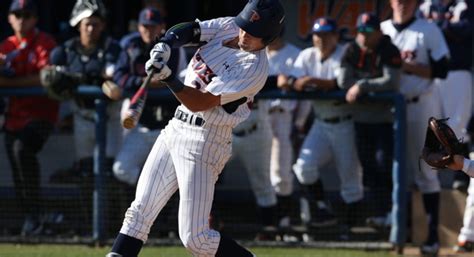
[134, 111]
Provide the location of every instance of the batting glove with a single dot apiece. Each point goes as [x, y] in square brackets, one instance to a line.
[162, 71]
[160, 53]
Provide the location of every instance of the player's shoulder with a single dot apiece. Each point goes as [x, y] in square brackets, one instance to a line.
[292, 49]
[221, 22]
[308, 52]
[129, 39]
[46, 39]
[8, 44]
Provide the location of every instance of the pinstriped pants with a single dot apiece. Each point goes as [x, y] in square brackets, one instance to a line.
[188, 158]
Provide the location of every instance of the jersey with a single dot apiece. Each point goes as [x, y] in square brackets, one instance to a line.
[281, 62]
[420, 42]
[310, 63]
[230, 73]
[33, 55]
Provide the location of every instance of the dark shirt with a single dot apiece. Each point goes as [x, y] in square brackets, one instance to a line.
[130, 71]
[92, 65]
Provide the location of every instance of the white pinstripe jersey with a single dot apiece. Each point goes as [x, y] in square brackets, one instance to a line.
[281, 62]
[309, 63]
[230, 73]
[418, 42]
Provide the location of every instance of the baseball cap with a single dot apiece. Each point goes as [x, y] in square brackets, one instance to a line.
[367, 22]
[149, 16]
[324, 24]
[23, 5]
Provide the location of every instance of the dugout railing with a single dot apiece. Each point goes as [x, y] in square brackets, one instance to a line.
[398, 231]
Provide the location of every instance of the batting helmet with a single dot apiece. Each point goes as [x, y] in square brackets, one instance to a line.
[85, 9]
[262, 19]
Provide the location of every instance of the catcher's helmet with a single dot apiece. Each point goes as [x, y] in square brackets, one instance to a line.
[262, 18]
[85, 9]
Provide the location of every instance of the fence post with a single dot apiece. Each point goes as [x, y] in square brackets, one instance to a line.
[99, 172]
[399, 177]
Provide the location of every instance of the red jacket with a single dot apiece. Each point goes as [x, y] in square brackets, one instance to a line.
[33, 57]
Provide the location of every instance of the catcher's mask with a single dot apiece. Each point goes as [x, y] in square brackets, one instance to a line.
[85, 9]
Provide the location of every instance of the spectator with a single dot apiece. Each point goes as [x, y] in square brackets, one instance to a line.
[424, 57]
[29, 120]
[372, 64]
[94, 54]
[332, 133]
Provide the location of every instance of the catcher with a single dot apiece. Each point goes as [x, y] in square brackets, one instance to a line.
[443, 149]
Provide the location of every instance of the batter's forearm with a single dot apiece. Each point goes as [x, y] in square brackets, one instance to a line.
[193, 99]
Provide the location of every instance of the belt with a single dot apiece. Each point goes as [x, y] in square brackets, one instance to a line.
[276, 109]
[189, 118]
[245, 132]
[335, 120]
[413, 100]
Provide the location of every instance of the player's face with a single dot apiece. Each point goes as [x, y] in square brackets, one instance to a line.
[403, 6]
[325, 41]
[367, 39]
[249, 43]
[150, 32]
[91, 29]
[22, 22]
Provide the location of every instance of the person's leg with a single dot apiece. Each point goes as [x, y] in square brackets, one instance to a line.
[466, 235]
[157, 183]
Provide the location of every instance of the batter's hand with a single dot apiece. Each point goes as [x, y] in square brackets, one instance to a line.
[162, 71]
[353, 93]
[160, 54]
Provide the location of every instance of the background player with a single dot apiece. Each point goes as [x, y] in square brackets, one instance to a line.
[222, 78]
[281, 56]
[332, 133]
[130, 72]
[29, 120]
[424, 57]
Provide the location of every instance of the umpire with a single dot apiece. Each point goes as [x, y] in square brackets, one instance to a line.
[372, 64]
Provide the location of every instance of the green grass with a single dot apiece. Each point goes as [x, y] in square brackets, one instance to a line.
[10, 250]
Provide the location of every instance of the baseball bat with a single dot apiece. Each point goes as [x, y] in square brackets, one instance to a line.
[134, 111]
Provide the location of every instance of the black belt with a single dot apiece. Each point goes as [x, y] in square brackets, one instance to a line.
[245, 132]
[413, 100]
[189, 118]
[276, 109]
[334, 120]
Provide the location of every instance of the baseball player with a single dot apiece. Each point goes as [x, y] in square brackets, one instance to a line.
[332, 133]
[424, 57]
[281, 56]
[453, 18]
[92, 54]
[130, 72]
[28, 120]
[224, 75]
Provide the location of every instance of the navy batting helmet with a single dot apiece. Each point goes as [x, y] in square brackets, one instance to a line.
[262, 19]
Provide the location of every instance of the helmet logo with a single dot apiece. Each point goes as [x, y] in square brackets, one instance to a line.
[322, 22]
[255, 16]
[149, 15]
[365, 18]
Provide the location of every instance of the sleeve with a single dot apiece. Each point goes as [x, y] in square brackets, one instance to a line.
[122, 76]
[58, 56]
[299, 68]
[210, 28]
[436, 43]
[44, 51]
[6, 47]
[346, 78]
[468, 167]
[246, 81]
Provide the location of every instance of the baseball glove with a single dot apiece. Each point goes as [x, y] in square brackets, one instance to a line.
[441, 144]
[59, 84]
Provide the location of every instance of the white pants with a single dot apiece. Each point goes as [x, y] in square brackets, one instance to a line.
[189, 158]
[84, 131]
[254, 150]
[137, 143]
[282, 153]
[456, 99]
[417, 123]
[332, 141]
[467, 230]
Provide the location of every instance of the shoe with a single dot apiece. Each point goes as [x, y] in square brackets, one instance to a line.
[464, 247]
[31, 227]
[113, 255]
[379, 221]
[429, 250]
[322, 216]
